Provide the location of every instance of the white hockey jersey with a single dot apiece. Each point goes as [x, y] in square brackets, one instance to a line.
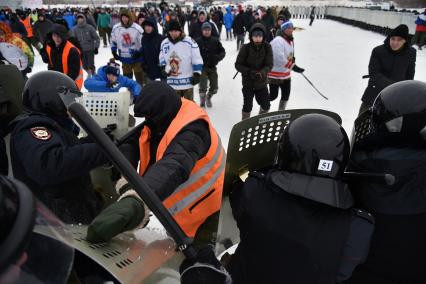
[283, 54]
[181, 60]
[126, 41]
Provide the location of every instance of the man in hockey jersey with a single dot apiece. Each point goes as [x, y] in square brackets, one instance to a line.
[254, 61]
[212, 52]
[126, 39]
[284, 63]
[47, 155]
[177, 142]
[181, 61]
[296, 220]
[396, 144]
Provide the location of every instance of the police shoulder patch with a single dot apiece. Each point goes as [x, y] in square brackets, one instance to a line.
[364, 214]
[40, 133]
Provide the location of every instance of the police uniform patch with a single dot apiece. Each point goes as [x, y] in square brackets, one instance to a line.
[41, 133]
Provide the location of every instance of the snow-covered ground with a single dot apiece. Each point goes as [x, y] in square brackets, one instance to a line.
[334, 55]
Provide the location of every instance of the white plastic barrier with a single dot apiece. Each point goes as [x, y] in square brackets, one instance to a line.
[109, 108]
[386, 19]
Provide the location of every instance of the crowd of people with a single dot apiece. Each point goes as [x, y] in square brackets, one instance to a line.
[302, 219]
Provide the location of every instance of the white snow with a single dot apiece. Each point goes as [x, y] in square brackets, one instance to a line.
[335, 57]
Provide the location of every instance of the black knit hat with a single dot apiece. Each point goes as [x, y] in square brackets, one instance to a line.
[174, 26]
[401, 31]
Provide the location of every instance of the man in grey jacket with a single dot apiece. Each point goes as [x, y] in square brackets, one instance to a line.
[89, 42]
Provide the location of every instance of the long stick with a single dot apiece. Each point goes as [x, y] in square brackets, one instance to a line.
[235, 75]
[314, 86]
[184, 243]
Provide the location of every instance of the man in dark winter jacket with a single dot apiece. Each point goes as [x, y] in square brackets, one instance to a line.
[239, 28]
[212, 52]
[254, 61]
[47, 155]
[89, 42]
[151, 42]
[396, 145]
[41, 28]
[296, 220]
[53, 54]
[391, 62]
[177, 137]
[195, 28]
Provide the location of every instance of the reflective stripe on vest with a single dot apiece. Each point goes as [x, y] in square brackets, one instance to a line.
[201, 194]
[65, 53]
[28, 27]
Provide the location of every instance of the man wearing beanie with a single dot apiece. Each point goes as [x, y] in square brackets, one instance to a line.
[391, 62]
[284, 62]
[212, 52]
[195, 28]
[180, 61]
[108, 80]
[126, 45]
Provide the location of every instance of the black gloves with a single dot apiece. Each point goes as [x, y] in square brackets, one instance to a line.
[112, 85]
[136, 54]
[96, 51]
[145, 67]
[256, 75]
[115, 55]
[298, 69]
[163, 72]
[205, 268]
[195, 78]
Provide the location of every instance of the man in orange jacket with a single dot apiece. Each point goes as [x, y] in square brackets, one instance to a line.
[62, 56]
[181, 158]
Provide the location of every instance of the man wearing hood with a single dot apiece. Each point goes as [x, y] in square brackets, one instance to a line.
[391, 62]
[89, 42]
[176, 144]
[151, 43]
[126, 46]
[42, 27]
[254, 61]
[62, 56]
[228, 20]
[181, 61]
[195, 28]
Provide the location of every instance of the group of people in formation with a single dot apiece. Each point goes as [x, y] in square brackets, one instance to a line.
[302, 219]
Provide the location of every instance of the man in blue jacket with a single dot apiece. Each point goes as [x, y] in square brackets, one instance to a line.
[108, 79]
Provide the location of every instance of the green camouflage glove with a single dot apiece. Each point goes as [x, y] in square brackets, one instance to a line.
[119, 217]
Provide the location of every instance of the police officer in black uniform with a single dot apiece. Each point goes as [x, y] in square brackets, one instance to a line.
[396, 144]
[47, 155]
[296, 220]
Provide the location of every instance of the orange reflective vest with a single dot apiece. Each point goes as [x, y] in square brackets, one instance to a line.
[28, 27]
[201, 195]
[65, 54]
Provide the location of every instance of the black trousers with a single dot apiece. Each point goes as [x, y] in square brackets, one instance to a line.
[261, 95]
[285, 87]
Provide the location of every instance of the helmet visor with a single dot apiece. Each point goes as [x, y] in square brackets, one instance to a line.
[47, 258]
